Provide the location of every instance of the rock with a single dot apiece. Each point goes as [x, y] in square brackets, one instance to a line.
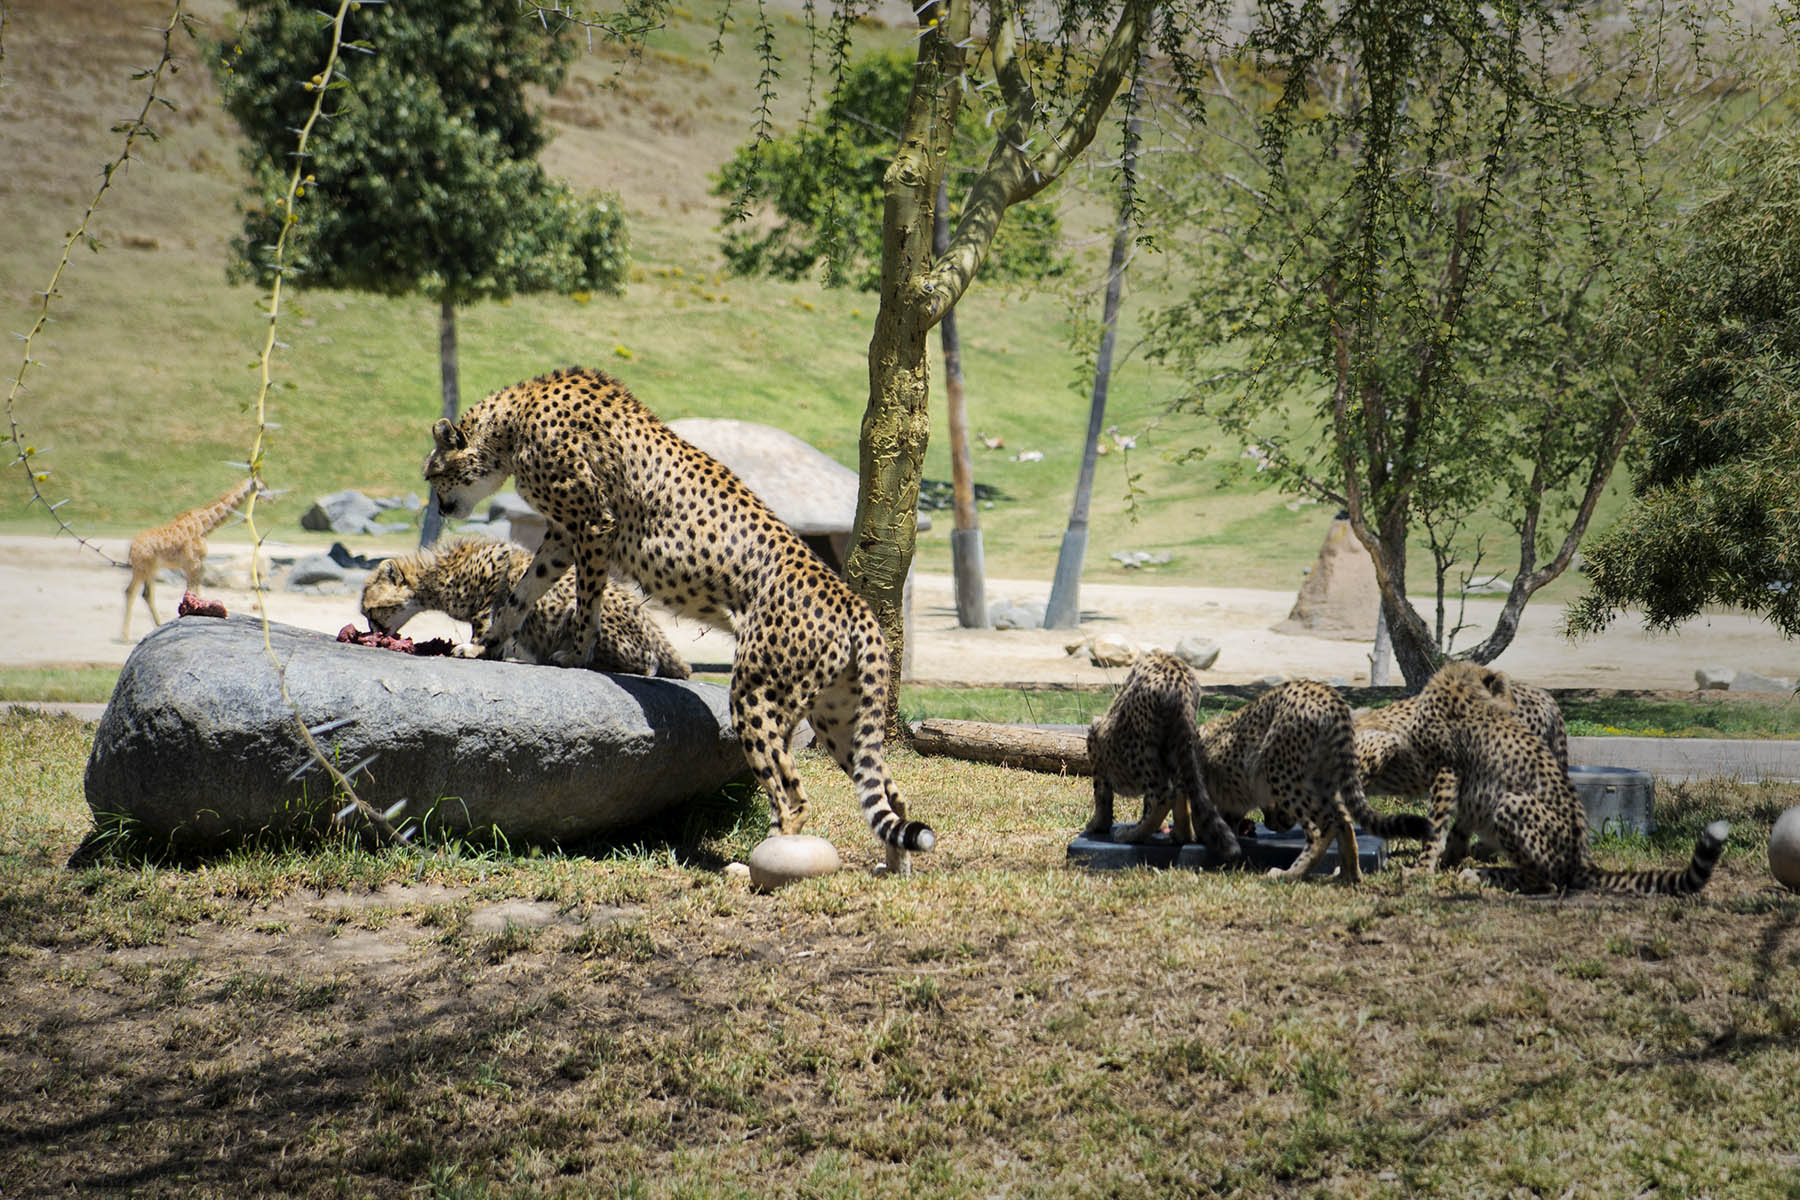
[1340, 596]
[198, 746]
[1014, 616]
[1713, 679]
[341, 512]
[1784, 849]
[1750, 681]
[737, 870]
[314, 569]
[1272, 680]
[1111, 650]
[1197, 653]
[1073, 648]
[783, 858]
[506, 505]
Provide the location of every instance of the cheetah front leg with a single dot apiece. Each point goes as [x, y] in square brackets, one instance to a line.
[493, 637]
[592, 566]
[1101, 823]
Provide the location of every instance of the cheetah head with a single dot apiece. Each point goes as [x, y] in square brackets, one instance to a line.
[1470, 686]
[460, 474]
[389, 599]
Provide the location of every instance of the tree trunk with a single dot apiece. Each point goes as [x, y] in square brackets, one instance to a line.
[896, 425]
[1064, 609]
[965, 535]
[433, 523]
[917, 291]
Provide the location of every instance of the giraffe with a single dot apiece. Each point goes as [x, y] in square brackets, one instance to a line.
[181, 544]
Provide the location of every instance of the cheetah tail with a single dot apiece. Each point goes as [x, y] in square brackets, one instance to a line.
[875, 788]
[1382, 825]
[1670, 882]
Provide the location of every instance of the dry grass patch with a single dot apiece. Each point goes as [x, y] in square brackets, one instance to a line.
[350, 1023]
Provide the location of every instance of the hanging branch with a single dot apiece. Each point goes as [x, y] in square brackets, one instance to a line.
[138, 126]
[328, 79]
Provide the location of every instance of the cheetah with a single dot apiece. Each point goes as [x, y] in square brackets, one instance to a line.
[621, 491]
[180, 543]
[1498, 779]
[1288, 752]
[1146, 744]
[1390, 764]
[465, 578]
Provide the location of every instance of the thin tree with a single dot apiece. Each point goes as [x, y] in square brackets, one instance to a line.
[425, 180]
[1064, 608]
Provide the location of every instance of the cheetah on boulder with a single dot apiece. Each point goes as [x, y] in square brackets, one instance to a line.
[622, 492]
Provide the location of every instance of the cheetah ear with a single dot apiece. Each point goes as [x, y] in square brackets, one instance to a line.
[447, 436]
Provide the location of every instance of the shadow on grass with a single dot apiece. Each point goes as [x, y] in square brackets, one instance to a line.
[695, 834]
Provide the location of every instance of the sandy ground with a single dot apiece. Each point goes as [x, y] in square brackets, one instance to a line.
[63, 604]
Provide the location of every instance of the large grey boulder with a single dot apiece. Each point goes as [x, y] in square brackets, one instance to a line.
[198, 745]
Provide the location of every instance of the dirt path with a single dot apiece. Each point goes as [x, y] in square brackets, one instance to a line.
[62, 604]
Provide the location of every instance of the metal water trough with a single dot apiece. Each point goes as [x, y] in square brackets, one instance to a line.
[1262, 851]
[1619, 800]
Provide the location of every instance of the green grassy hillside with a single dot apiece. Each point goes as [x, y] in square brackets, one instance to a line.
[140, 392]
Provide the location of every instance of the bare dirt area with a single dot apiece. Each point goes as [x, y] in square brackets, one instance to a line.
[63, 604]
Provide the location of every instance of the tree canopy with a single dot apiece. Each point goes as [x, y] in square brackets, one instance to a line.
[821, 187]
[425, 179]
[1715, 516]
[1415, 272]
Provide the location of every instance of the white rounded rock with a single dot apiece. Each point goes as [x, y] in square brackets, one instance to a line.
[782, 858]
[1784, 849]
[737, 870]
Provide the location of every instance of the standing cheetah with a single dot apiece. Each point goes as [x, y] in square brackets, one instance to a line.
[1498, 779]
[1391, 763]
[621, 491]
[1146, 744]
[1289, 752]
[468, 577]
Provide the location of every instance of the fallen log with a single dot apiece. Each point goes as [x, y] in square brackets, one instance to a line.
[1061, 752]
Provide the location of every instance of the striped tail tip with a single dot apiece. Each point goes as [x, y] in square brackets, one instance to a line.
[905, 835]
[1716, 833]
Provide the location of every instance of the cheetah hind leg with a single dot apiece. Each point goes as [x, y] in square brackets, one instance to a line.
[1318, 842]
[765, 730]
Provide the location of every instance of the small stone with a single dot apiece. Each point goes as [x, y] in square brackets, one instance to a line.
[1073, 648]
[782, 858]
[1784, 849]
[315, 568]
[737, 870]
[1197, 653]
[1714, 679]
[1014, 616]
[1111, 650]
[1751, 681]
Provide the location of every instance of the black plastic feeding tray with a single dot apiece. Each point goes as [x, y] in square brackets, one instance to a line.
[1263, 850]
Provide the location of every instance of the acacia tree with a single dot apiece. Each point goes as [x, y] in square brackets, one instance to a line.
[1715, 517]
[425, 179]
[1425, 260]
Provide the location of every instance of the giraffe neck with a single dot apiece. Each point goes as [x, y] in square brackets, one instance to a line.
[213, 515]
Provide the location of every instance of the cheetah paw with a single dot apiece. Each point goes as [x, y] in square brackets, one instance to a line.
[466, 650]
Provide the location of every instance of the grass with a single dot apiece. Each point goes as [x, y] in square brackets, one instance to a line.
[80, 683]
[343, 1021]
